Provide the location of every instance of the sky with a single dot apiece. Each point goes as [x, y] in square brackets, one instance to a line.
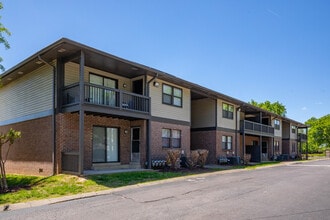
[276, 50]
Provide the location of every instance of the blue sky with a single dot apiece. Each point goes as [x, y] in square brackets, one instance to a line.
[276, 50]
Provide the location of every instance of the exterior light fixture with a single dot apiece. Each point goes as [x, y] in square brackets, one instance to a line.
[61, 50]
[156, 84]
[124, 85]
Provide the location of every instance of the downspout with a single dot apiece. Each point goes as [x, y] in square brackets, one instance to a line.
[53, 113]
[236, 136]
[149, 124]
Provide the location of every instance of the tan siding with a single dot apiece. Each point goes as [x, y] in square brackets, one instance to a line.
[72, 76]
[71, 73]
[203, 113]
[158, 109]
[225, 122]
[293, 136]
[277, 133]
[30, 94]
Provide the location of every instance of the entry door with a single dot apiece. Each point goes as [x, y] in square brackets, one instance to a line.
[135, 143]
[105, 145]
[138, 86]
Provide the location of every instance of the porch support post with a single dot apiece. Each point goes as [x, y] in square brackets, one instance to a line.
[238, 109]
[273, 147]
[81, 113]
[306, 143]
[149, 143]
[260, 137]
[244, 142]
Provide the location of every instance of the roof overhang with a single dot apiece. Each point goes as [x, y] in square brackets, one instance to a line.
[69, 50]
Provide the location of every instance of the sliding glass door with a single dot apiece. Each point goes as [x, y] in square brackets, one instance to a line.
[105, 145]
[102, 95]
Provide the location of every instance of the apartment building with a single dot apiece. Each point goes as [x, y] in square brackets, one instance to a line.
[79, 108]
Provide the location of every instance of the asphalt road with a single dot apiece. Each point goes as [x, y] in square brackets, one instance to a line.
[296, 191]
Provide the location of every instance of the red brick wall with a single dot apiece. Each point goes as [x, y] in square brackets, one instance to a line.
[205, 140]
[68, 136]
[157, 152]
[32, 153]
[212, 141]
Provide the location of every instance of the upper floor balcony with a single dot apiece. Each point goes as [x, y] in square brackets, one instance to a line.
[302, 137]
[105, 100]
[250, 127]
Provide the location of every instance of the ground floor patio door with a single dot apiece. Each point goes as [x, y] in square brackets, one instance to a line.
[135, 144]
[105, 145]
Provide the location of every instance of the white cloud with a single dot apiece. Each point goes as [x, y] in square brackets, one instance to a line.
[319, 103]
[304, 108]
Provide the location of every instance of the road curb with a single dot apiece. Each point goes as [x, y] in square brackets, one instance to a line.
[35, 203]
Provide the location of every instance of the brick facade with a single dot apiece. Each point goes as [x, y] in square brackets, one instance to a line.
[205, 140]
[157, 151]
[212, 141]
[32, 153]
[68, 136]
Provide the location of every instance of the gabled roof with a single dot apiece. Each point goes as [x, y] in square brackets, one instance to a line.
[70, 50]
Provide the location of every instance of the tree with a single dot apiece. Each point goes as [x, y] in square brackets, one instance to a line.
[7, 138]
[318, 133]
[275, 107]
[3, 31]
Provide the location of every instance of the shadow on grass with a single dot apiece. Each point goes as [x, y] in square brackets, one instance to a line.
[17, 182]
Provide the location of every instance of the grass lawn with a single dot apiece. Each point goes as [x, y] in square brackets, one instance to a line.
[28, 188]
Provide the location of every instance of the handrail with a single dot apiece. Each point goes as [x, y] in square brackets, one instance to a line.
[254, 127]
[106, 96]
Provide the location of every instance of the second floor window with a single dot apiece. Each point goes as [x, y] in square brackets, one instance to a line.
[227, 111]
[171, 138]
[226, 142]
[172, 95]
[277, 124]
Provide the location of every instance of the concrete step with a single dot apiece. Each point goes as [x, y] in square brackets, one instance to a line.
[134, 165]
[109, 166]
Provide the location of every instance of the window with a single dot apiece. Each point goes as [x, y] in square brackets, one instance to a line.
[277, 145]
[293, 129]
[227, 111]
[277, 124]
[171, 138]
[226, 142]
[172, 95]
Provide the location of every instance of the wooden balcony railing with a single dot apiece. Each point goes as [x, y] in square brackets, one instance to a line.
[251, 127]
[105, 96]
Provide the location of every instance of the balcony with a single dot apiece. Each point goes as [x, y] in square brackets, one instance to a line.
[254, 128]
[102, 99]
[302, 137]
